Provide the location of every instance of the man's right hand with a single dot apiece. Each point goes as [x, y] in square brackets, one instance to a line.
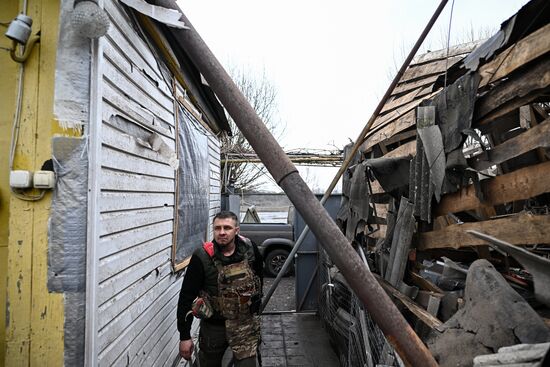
[186, 349]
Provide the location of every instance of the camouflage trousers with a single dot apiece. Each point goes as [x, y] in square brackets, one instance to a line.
[214, 338]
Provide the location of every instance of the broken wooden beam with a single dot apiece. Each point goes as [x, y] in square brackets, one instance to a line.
[536, 137]
[520, 89]
[380, 134]
[424, 283]
[519, 229]
[428, 319]
[527, 49]
[407, 149]
[521, 184]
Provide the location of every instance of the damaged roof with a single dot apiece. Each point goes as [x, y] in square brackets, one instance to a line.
[157, 21]
[429, 73]
[456, 176]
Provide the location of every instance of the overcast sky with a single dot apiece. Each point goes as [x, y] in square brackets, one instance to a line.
[331, 61]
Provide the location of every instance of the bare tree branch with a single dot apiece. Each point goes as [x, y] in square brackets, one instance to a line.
[262, 96]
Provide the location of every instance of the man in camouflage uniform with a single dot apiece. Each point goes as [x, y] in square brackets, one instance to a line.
[222, 286]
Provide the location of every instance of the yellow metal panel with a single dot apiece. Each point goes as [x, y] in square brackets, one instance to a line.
[20, 244]
[35, 330]
[47, 313]
[7, 105]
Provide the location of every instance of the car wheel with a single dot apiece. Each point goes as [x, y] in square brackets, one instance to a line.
[274, 262]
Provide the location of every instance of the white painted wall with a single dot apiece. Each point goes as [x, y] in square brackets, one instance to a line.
[136, 292]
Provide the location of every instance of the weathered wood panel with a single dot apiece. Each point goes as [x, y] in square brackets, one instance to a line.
[407, 149]
[119, 58]
[380, 134]
[215, 174]
[112, 286]
[165, 358]
[117, 201]
[120, 241]
[402, 88]
[120, 323]
[116, 263]
[536, 137]
[113, 222]
[424, 70]
[128, 143]
[119, 105]
[123, 300]
[140, 348]
[127, 87]
[161, 350]
[518, 185]
[527, 49]
[462, 49]
[521, 229]
[122, 161]
[142, 322]
[174, 358]
[124, 36]
[164, 324]
[520, 89]
[215, 190]
[389, 117]
[215, 181]
[124, 181]
[158, 91]
[137, 293]
[402, 100]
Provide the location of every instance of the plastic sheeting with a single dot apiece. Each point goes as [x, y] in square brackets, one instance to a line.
[67, 240]
[193, 187]
[72, 73]
[68, 224]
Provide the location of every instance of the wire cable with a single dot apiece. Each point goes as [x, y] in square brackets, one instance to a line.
[448, 42]
[25, 197]
[16, 127]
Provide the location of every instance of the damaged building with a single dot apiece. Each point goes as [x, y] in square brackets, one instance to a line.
[449, 199]
[447, 202]
[122, 138]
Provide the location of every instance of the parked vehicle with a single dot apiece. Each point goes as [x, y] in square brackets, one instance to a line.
[274, 240]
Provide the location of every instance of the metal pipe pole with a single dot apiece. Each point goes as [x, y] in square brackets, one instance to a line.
[380, 306]
[355, 148]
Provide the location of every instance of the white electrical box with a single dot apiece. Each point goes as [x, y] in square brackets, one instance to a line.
[20, 179]
[44, 180]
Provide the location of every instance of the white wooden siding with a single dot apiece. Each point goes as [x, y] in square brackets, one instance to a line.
[215, 197]
[137, 292]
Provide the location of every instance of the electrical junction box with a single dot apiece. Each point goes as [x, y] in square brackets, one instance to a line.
[20, 179]
[44, 180]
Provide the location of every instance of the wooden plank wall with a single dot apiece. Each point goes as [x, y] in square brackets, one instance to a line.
[518, 131]
[416, 85]
[215, 180]
[137, 291]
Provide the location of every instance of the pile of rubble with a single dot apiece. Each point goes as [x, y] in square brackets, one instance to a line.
[449, 196]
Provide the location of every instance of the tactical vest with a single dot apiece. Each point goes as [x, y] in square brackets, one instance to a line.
[230, 288]
[231, 292]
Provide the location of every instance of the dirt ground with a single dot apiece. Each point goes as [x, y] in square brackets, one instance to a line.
[284, 298]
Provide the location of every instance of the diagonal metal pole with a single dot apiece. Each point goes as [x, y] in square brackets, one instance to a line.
[355, 148]
[361, 280]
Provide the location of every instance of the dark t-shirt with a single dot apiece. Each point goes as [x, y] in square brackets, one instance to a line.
[193, 282]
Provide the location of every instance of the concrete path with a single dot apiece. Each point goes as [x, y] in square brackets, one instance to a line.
[293, 339]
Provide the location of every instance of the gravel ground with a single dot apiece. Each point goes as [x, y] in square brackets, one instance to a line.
[284, 298]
